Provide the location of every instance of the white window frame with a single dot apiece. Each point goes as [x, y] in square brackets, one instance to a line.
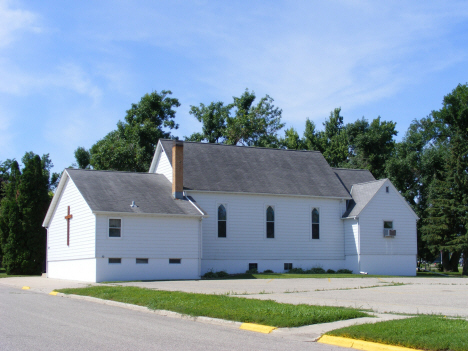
[121, 228]
[386, 220]
[275, 232]
[226, 206]
[311, 208]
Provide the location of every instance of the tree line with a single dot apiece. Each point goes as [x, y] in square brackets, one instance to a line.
[429, 166]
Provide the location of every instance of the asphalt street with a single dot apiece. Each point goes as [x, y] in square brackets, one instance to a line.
[33, 320]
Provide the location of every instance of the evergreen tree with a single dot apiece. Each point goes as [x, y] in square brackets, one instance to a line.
[22, 212]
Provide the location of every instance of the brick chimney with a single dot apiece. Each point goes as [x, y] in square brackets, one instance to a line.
[178, 170]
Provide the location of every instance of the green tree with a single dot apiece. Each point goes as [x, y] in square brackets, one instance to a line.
[213, 118]
[371, 145]
[82, 157]
[253, 125]
[131, 147]
[312, 140]
[291, 140]
[446, 225]
[22, 211]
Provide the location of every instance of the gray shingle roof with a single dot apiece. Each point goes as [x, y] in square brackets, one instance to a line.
[111, 191]
[239, 169]
[362, 194]
[349, 177]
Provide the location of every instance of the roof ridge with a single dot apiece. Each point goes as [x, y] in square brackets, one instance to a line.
[350, 169]
[106, 170]
[244, 146]
[371, 181]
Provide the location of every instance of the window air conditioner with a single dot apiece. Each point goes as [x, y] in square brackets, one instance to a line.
[389, 232]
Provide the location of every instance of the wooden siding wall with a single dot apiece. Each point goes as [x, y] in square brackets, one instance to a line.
[149, 237]
[246, 228]
[82, 231]
[387, 207]
[163, 166]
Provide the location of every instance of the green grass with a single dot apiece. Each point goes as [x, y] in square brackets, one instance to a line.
[423, 332]
[245, 310]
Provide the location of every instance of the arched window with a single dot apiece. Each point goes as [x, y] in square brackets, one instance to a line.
[222, 217]
[315, 224]
[270, 222]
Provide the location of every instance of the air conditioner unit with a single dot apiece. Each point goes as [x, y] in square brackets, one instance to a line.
[389, 232]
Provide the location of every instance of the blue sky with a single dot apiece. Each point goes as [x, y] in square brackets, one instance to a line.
[70, 70]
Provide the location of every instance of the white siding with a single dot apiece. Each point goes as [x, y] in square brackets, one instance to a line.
[387, 207]
[246, 228]
[163, 166]
[351, 229]
[84, 270]
[149, 237]
[82, 232]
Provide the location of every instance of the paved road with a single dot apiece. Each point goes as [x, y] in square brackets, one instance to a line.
[32, 320]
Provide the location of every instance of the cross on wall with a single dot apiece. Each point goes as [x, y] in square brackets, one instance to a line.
[68, 217]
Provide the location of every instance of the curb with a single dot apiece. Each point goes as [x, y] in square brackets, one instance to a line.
[360, 344]
[265, 329]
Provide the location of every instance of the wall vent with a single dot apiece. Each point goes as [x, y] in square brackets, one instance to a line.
[389, 232]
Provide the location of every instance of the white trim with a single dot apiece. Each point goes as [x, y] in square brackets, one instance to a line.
[204, 215]
[156, 157]
[118, 214]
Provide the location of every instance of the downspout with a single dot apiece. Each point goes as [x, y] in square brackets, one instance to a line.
[200, 243]
[359, 244]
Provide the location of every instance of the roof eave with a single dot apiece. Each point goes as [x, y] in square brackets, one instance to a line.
[148, 214]
[53, 203]
[269, 194]
[156, 157]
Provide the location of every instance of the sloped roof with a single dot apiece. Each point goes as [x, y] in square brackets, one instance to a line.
[349, 177]
[111, 191]
[240, 169]
[362, 194]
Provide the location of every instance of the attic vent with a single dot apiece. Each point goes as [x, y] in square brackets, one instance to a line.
[389, 232]
[133, 204]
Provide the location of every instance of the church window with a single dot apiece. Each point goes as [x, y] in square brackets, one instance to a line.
[115, 227]
[222, 221]
[270, 222]
[315, 224]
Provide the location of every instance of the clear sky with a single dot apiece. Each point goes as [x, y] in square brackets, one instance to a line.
[70, 69]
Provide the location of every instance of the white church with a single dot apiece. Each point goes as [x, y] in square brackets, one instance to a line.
[204, 207]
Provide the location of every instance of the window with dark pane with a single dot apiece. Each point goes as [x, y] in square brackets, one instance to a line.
[288, 266]
[115, 226]
[270, 222]
[222, 221]
[315, 224]
[253, 266]
[388, 225]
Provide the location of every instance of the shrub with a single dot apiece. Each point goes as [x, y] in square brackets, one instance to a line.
[251, 271]
[268, 271]
[440, 267]
[331, 271]
[213, 275]
[344, 271]
[222, 274]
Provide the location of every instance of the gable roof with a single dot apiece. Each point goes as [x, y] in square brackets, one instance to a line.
[349, 176]
[240, 169]
[362, 194]
[111, 191]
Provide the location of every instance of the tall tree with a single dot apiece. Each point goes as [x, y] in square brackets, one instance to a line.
[131, 146]
[22, 211]
[371, 145]
[446, 226]
[312, 140]
[291, 140]
[213, 118]
[83, 158]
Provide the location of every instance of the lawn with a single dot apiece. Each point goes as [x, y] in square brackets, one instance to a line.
[435, 333]
[265, 312]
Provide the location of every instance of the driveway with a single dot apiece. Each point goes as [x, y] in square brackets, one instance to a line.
[446, 296]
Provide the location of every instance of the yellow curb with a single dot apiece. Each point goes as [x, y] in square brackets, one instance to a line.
[265, 329]
[329, 280]
[360, 344]
[25, 288]
[53, 293]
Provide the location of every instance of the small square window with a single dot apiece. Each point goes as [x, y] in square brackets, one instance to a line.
[388, 225]
[115, 260]
[253, 266]
[115, 227]
[175, 261]
[288, 266]
[141, 261]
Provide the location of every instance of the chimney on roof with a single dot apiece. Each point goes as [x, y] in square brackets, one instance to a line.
[178, 170]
